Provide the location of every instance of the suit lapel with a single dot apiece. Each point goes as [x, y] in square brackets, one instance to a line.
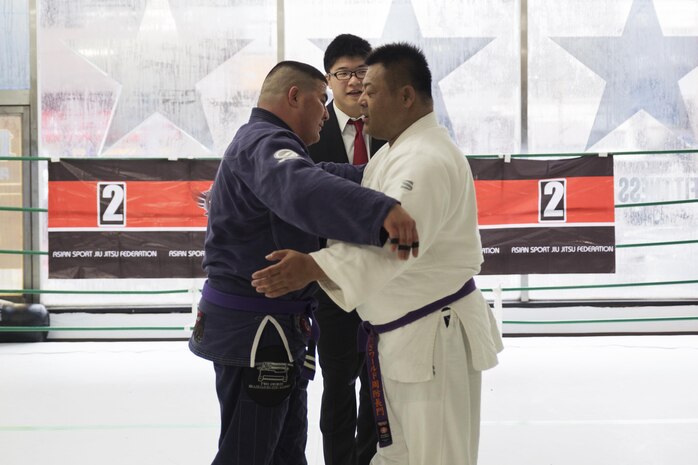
[335, 144]
[331, 145]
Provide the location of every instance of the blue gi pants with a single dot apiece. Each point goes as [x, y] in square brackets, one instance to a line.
[252, 434]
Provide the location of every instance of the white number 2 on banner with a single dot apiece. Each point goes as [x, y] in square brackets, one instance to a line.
[111, 203]
[552, 200]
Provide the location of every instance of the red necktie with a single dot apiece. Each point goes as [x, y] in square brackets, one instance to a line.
[360, 152]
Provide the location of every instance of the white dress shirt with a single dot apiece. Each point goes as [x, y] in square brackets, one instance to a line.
[348, 134]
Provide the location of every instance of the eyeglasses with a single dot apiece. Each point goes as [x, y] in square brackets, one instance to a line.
[345, 75]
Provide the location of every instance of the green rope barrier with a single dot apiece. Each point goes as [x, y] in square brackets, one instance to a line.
[611, 320]
[654, 152]
[652, 204]
[652, 244]
[534, 155]
[23, 329]
[623, 205]
[619, 246]
[592, 286]
[522, 155]
[586, 154]
[47, 291]
[110, 158]
[23, 252]
[92, 427]
[25, 159]
[136, 426]
[24, 209]
[185, 291]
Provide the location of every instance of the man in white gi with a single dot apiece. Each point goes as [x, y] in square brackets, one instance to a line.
[437, 332]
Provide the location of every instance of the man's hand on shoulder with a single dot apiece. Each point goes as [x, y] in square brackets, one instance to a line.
[293, 271]
[402, 232]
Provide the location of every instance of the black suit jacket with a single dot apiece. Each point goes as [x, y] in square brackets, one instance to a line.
[331, 146]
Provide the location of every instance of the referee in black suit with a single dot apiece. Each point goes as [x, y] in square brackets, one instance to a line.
[348, 438]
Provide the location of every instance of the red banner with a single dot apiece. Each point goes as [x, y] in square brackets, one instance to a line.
[542, 217]
[128, 219]
[147, 219]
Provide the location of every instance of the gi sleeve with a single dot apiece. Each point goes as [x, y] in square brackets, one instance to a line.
[344, 170]
[423, 187]
[299, 192]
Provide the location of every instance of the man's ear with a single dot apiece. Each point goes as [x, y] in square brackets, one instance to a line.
[408, 96]
[293, 96]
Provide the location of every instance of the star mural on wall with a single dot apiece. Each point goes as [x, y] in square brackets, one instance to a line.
[158, 69]
[444, 54]
[642, 69]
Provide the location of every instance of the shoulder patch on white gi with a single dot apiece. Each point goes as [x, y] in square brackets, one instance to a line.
[283, 155]
[407, 185]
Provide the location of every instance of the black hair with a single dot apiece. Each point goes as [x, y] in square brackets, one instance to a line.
[302, 68]
[345, 45]
[286, 74]
[405, 64]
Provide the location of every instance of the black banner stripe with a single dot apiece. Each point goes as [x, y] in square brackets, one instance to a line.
[498, 169]
[132, 170]
[549, 250]
[122, 254]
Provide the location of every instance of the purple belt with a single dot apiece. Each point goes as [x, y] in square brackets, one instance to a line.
[368, 339]
[269, 307]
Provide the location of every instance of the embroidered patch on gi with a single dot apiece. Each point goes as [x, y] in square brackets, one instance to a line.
[283, 155]
[198, 332]
[203, 200]
[272, 378]
[407, 185]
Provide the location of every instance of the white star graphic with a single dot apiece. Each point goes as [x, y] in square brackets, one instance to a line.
[158, 69]
[642, 69]
[444, 54]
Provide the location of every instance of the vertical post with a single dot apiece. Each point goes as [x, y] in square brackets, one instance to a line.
[280, 30]
[524, 76]
[524, 104]
[35, 223]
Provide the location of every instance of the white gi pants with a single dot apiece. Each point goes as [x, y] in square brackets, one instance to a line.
[436, 422]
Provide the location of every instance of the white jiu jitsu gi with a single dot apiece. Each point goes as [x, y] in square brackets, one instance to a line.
[431, 370]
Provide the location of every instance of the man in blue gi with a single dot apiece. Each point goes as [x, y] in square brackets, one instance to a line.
[269, 195]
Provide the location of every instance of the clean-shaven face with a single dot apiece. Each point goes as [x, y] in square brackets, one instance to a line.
[346, 93]
[380, 105]
[313, 105]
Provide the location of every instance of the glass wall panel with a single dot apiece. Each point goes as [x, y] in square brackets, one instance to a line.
[149, 78]
[607, 76]
[146, 78]
[11, 230]
[623, 76]
[472, 48]
[158, 78]
[14, 44]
